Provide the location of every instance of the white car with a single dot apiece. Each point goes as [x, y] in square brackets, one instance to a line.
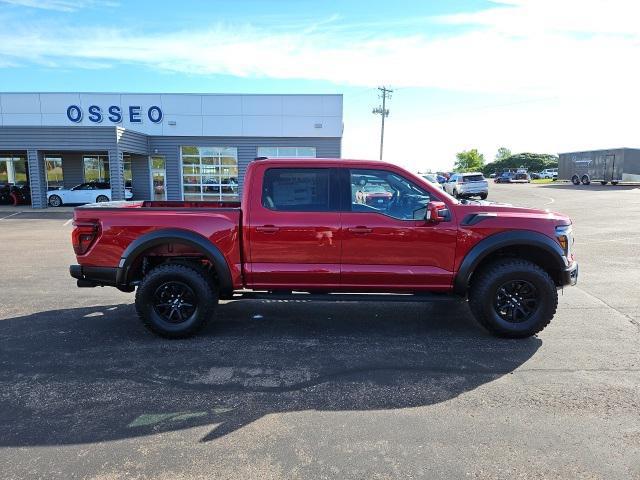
[464, 185]
[90, 192]
[548, 173]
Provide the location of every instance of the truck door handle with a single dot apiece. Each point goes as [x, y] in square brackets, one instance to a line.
[360, 229]
[267, 229]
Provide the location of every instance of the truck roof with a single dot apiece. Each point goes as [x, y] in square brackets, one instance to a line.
[327, 161]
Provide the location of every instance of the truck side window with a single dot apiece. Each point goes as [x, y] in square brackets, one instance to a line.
[380, 191]
[296, 189]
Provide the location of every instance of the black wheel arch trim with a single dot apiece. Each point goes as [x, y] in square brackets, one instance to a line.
[497, 241]
[169, 235]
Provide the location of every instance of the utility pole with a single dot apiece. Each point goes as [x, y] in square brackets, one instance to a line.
[383, 112]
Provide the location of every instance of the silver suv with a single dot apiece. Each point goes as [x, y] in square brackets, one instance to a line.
[462, 185]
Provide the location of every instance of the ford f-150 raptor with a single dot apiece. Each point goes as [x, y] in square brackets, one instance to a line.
[312, 227]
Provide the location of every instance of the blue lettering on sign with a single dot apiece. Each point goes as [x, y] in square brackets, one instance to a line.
[115, 114]
[74, 113]
[134, 114]
[95, 114]
[155, 114]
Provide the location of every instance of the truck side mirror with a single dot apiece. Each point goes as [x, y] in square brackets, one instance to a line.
[436, 212]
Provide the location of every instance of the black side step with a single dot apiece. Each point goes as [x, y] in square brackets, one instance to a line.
[343, 297]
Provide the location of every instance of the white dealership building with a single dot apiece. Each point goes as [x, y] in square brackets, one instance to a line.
[163, 146]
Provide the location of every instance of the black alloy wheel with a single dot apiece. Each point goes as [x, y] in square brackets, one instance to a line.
[175, 302]
[516, 301]
[513, 298]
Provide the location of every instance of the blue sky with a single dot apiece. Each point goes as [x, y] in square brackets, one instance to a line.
[532, 75]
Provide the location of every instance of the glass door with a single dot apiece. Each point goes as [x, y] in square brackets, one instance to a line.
[158, 178]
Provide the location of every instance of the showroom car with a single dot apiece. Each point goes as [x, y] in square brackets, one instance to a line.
[89, 192]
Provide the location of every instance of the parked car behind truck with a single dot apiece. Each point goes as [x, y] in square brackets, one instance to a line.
[89, 192]
[301, 228]
[465, 185]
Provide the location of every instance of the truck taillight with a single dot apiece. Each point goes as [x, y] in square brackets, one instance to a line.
[83, 235]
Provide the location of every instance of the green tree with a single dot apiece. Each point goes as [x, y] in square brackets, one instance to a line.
[469, 161]
[503, 153]
[533, 162]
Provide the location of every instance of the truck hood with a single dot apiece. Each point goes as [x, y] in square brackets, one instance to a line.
[505, 211]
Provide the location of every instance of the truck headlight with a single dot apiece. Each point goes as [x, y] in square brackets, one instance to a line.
[564, 234]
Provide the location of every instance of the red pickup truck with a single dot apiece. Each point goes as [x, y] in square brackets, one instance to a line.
[325, 228]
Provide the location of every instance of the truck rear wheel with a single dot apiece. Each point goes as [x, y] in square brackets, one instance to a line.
[575, 180]
[585, 180]
[176, 301]
[513, 298]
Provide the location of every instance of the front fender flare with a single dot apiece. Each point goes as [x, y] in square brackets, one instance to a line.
[493, 243]
[174, 235]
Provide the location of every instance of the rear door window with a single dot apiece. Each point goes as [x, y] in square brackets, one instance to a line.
[298, 190]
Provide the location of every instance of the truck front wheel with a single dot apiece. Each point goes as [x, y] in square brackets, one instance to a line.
[176, 301]
[513, 298]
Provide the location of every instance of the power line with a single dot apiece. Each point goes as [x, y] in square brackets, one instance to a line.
[383, 112]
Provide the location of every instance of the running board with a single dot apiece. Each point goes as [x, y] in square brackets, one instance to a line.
[343, 297]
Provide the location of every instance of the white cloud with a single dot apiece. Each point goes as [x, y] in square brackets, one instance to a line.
[58, 5]
[581, 52]
[537, 47]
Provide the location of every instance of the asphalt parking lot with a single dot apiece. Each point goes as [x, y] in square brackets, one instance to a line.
[320, 390]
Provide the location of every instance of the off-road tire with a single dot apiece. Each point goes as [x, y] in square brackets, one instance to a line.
[575, 180]
[484, 288]
[53, 202]
[202, 287]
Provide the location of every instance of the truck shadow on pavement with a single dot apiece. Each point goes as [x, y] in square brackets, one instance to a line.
[95, 374]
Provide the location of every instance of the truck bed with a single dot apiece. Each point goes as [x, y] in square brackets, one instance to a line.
[121, 223]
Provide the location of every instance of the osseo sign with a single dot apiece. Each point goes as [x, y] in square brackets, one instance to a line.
[115, 114]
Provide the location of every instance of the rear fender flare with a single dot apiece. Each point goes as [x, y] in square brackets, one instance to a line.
[493, 243]
[171, 235]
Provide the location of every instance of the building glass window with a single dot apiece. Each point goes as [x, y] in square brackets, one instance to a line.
[275, 152]
[96, 168]
[13, 169]
[209, 173]
[4, 172]
[55, 175]
[128, 176]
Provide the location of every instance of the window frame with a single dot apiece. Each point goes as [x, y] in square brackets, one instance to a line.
[334, 196]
